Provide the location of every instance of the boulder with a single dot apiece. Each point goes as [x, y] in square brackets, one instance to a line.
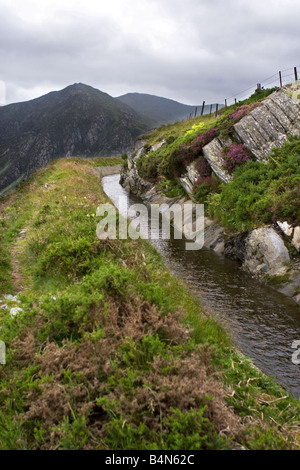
[265, 252]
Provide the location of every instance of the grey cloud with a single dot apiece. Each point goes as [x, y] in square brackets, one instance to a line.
[210, 49]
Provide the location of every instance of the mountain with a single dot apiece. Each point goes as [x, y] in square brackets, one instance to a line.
[161, 110]
[78, 120]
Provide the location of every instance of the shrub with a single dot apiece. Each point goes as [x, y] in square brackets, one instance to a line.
[243, 110]
[203, 167]
[234, 156]
[262, 193]
[205, 186]
[195, 128]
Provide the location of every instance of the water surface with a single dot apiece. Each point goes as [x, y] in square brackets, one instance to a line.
[262, 322]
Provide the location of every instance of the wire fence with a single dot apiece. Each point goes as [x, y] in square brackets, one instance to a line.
[279, 79]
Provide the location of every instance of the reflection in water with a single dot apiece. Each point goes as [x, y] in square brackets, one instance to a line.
[262, 322]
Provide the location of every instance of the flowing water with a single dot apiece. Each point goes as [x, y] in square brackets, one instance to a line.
[262, 322]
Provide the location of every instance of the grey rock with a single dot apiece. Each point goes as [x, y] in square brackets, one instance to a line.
[15, 311]
[158, 146]
[213, 235]
[189, 179]
[11, 298]
[235, 247]
[296, 238]
[265, 252]
[213, 154]
[268, 125]
[129, 177]
[187, 184]
[297, 299]
[292, 287]
[286, 228]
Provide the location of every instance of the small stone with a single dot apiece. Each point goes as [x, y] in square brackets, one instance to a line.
[14, 311]
[10, 297]
[286, 228]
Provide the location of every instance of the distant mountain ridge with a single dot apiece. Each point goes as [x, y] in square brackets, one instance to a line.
[78, 120]
[161, 110]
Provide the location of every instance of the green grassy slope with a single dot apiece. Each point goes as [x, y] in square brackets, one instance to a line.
[110, 351]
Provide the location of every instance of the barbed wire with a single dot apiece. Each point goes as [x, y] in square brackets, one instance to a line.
[278, 79]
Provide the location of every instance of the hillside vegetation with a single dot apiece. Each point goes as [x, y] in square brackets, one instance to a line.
[109, 350]
[260, 193]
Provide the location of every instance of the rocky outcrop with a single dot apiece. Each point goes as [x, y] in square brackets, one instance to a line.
[129, 177]
[262, 251]
[265, 127]
[235, 247]
[269, 125]
[188, 180]
[131, 181]
[213, 154]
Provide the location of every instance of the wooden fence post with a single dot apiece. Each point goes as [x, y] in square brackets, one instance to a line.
[296, 73]
[280, 79]
[196, 112]
[225, 103]
[217, 108]
[202, 110]
[210, 111]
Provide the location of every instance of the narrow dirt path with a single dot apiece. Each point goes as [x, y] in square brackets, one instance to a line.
[17, 277]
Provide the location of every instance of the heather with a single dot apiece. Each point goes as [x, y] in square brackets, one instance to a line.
[258, 193]
[235, 156]
[184, 145]
[261, 193]
[111, 351]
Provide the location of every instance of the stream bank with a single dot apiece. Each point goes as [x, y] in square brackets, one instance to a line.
[262, 322]
[261, 252]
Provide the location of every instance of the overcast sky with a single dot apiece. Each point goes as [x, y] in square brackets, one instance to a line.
[186, 50]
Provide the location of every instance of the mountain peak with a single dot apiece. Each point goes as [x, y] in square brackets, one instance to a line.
[78, 120]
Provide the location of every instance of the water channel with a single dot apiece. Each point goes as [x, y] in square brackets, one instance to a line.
[262, 322]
